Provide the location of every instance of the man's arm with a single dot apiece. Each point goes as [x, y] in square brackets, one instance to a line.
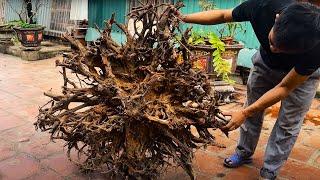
[209, 17]
[281, 91]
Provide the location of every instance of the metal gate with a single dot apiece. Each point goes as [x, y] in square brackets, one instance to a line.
[60, 17]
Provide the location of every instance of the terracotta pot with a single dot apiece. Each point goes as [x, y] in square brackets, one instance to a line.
[6, 35]
[30, 37]
[228, 40]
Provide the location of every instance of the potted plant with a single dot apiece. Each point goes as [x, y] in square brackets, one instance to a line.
[28, 32]
[227, 35]
[30, 35]
[211, 60]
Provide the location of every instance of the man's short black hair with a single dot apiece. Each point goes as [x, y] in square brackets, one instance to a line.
[298, 27]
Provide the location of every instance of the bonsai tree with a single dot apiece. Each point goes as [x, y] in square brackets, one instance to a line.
[221, 67]
[229, 30]
[27, 13]
[29, 33]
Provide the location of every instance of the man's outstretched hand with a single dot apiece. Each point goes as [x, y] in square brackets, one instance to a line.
[237, 119]
[179, 15]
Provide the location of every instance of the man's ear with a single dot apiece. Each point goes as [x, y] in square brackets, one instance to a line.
[277, 17]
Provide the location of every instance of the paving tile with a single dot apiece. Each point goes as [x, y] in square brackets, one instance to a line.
[243, 173]
[312, 141]
[60, 164]
[302, 153]
[10, 121]
[41, 146]
[207, 163]
[18, 167]
[297, 170]
[317, 161]
[16, 134]
[175, 173]
[258, 158]
[6, 150]
[21, 147]
[46, 174]
[91, 176]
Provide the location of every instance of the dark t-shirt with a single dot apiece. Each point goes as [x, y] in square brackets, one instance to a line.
[261, 14]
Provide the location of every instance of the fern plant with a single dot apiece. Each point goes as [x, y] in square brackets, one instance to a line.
[221, 66]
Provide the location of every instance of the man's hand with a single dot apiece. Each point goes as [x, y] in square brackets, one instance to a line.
[179, 15]
[237, 119]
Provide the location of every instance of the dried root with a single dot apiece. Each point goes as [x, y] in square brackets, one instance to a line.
[128, 108]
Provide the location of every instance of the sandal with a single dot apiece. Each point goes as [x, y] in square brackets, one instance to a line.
[235, 161]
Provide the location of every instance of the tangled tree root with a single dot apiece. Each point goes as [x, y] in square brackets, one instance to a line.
[131, 107]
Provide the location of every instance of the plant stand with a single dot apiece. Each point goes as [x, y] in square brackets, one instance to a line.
[5, 36]
[231, 54]
[202, 60]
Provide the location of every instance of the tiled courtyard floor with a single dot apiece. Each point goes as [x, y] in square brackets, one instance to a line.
[28, 154]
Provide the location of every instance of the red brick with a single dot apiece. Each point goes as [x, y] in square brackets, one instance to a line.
[46, 175]
[317, 161]
[41, 146]
[60, 164]
[6, 152]
[94, 175]
[204, 177]
[312, 141]
[243, 173]
[79, 158]
[174, 173]
[19, 167]
[18, 133]
[10, 121]
[222, 140]
[258, 158]
[229, 151]
[297, 170]
[301, 153]
[207, 163]
[3, 112]
[263, 140]
[234, 135]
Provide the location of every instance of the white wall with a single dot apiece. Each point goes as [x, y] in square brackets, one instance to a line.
[79, 10]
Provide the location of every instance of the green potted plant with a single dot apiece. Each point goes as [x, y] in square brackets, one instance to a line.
[29, 33]
[211, 60]
[227, 35]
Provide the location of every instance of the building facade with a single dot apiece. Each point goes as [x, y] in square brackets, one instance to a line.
[58, 16]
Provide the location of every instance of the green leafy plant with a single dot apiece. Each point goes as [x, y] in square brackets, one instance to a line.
[221, 66]
[26, 13]
[207, 5]
[196, 38]
[10, 24]
[24, 24]
[231, 29]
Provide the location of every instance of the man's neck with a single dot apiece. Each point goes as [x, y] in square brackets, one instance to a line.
[315, 2]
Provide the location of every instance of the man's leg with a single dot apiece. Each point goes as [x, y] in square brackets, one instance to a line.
[259, 82]
[288, 125]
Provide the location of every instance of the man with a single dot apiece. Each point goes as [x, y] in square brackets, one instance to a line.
[285, 69]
